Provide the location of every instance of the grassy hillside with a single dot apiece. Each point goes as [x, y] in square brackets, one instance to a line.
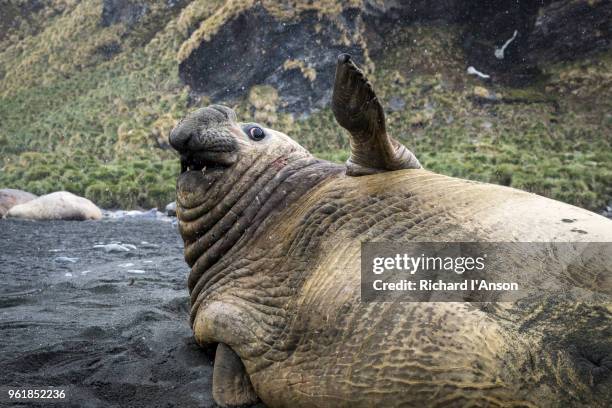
[87, 108]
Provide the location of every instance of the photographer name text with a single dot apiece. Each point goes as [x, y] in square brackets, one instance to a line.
[439, 285]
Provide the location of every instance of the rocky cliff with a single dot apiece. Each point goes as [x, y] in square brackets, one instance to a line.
[293, 50]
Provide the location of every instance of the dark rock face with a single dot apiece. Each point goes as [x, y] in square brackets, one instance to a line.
[123, 11]
[253, 49]
[546, 32]
[510, 40]
[10, 198]
[567, 30]
[490, 43]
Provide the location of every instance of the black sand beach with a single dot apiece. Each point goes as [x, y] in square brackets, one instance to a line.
[109, 327]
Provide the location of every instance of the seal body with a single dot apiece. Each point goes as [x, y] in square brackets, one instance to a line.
[288, 302]
[60, 205]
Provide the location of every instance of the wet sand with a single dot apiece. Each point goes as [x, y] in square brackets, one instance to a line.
[110, 327]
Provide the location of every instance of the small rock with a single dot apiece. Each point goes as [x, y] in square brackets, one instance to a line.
[68, 275]
[171, 209]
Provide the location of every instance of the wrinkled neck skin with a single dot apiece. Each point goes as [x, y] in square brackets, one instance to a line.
[222, 210]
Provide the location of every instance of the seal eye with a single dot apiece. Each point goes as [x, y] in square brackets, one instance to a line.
[256, 133]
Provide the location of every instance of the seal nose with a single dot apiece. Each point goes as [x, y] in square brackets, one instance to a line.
[190, 133]
[181, 135]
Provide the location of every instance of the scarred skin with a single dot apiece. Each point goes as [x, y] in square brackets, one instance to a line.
[273, 238]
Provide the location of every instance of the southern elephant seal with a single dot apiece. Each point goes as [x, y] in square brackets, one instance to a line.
[61, 205]
[272, 236]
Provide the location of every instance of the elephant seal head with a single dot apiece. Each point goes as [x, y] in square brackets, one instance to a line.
[233, 175]
[213, 144]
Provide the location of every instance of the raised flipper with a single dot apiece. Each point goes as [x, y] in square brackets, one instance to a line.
[358, 110]
[231, 384]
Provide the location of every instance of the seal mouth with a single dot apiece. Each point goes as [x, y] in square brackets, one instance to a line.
[200, 170]
[207, 161]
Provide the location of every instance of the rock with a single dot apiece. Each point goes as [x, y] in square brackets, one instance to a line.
[510, 41]
[171, 209]
[60, 205]
[546, 33]
[10, 198]
[567, 30]
[121, 11]
[296, 56]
